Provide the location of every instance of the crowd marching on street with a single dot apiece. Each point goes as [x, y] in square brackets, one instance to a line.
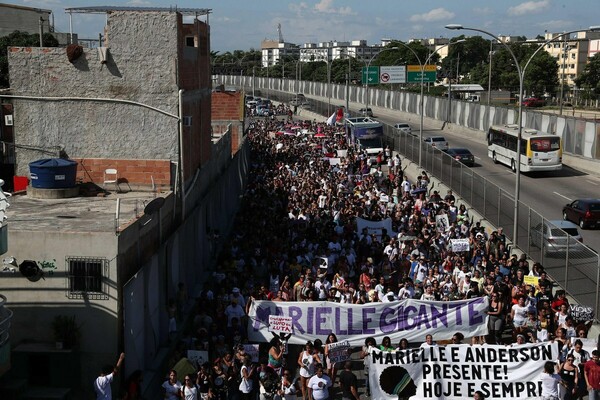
[295, 239]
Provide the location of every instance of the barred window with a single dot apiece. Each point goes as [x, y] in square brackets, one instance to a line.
[86, 277]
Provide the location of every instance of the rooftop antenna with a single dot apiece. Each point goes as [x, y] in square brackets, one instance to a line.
[280, 34]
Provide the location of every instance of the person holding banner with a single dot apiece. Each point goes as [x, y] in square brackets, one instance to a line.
[550, 382]
[331, 366]
[276, 355]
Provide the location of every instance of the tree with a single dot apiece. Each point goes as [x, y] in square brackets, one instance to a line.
[19, 39]
[590, 77]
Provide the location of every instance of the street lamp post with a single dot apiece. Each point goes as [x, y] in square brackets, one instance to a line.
[367, 75]
[422, 103]
[489, 93]
[521, 72]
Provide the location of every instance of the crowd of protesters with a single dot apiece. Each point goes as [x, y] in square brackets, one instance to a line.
[295, 239]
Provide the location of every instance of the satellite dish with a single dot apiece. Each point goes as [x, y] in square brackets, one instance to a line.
[154, 206]
[30, 270]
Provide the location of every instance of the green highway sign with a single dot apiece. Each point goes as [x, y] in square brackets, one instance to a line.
[413, 74]
[372, 77]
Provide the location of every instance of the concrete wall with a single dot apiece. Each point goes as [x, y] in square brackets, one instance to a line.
[146, 64]
[24, 19]
[581, 137]
[36, 303]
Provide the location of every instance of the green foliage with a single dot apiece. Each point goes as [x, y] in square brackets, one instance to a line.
[19, 39]
[590, 78]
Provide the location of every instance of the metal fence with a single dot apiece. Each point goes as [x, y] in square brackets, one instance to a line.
[575, 267]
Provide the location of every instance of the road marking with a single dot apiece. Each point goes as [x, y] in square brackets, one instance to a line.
[477, 158]
[564, 197]
[592, 182]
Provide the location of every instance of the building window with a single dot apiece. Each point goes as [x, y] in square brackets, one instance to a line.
[87, 278]
[187, 120]
[190, 41]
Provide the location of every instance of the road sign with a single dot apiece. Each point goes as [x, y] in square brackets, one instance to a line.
[394, 74]
[371, 78]
[413, 74]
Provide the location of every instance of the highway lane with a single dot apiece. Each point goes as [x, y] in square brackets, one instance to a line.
[544, 192]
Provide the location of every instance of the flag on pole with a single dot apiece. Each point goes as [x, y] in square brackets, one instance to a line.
[331, 120]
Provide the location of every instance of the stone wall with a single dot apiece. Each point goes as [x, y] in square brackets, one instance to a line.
[142, 66]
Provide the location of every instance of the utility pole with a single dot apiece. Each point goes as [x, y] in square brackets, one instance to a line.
[41, 32]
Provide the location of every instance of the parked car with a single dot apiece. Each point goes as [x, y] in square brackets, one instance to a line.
[368, 112]
[403, 127]
[556, 236]
[461, 155]
[534, 102]
[584, 212]
[439, 142]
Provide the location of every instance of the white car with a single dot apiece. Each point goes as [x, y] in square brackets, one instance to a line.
[403, 127]
[439, 142]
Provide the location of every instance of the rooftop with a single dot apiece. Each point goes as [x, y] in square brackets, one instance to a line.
[107, 9]
[77, 214]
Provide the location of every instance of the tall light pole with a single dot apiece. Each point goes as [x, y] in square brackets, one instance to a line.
[422, 103]
[521, 72]
[367, 75]
[489, 93]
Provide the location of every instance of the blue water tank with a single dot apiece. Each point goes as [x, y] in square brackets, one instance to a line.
[53, 173]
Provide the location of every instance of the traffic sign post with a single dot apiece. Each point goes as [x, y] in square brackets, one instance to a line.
[413, 74]
[372, 76]
[392, 74]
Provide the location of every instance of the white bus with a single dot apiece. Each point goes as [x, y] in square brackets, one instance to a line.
[540, 151]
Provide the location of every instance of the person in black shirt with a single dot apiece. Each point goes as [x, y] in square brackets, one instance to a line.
[348, 383]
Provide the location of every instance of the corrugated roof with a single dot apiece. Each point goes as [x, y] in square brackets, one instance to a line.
[107, 9]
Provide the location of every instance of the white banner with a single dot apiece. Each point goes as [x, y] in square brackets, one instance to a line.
[197, 357]
[410, 319]
[374, 227]
[459, 245]
[458, 371]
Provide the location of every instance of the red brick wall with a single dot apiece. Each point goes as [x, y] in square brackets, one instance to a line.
[135, 172]
[227, 106]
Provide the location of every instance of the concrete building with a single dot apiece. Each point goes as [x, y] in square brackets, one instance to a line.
[272, 51]
[571, 53]
[31, 20]
[141, 105]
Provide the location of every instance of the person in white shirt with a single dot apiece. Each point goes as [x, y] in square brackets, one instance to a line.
[102, 383]
[550, 381]
[171, 387]
[428, 342]
[318, 386]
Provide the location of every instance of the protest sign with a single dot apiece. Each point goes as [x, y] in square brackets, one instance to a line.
[531, 280]
[374, 227]
[279, 324]
[442, 224]
[581, 313]
[455, 372]
[459, 245]
[411, 319]
[197, 357]
[338, 351]
[252, 351]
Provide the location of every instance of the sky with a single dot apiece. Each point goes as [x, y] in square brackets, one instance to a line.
[243, 24]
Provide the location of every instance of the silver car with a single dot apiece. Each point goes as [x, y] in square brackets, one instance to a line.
[439, 142]
[403, 127]
[556, 236]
